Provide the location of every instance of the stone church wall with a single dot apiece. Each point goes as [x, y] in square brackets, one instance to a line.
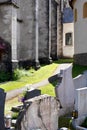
[27, 30]
[23, 31]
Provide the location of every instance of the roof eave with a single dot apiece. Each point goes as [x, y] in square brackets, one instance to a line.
[14, 2]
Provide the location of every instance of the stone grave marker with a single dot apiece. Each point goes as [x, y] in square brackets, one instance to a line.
[32, 93]
[2, 105]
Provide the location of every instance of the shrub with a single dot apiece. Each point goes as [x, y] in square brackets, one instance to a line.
[4, 76]
[18, 73]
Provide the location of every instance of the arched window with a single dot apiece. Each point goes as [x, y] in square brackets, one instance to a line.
[68, 38]
[85, 10]
[75, 15]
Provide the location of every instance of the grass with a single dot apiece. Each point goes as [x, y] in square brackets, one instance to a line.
[49, 89]
[36, 76]
[78, 69]
[65, 122]
[33, 76]
[10, 103]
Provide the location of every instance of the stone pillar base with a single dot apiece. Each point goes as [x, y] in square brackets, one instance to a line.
[15, 65]
[37, 65]
[50, 60]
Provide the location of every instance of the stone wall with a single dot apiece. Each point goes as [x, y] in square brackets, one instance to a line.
[80, 59]
[26, 29]
[30, 29]
[27, 44]
[5, 37]
[42, 113]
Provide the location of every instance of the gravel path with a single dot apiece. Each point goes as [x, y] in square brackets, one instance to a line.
[16, 92]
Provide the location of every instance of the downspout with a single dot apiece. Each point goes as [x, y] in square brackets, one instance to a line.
[37, 65]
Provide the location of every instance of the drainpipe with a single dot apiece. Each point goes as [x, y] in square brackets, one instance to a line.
[37, 64]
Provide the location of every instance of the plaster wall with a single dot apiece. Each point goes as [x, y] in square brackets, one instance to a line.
[68, 50]
[80, 29]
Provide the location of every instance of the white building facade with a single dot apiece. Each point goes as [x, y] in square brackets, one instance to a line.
[80, 26]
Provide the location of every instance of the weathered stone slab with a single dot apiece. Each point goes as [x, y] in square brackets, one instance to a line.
[2, 104]
[80, 81]
[65, 88]
[42, 114]
[32, 93]
[81, 101]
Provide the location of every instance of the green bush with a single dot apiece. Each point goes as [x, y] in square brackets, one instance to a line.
[15, 115]
[4, 76]
[18, 73]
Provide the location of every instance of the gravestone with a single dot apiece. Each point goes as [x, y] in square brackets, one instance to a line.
[81, 101]
[41, 114]
[32, 93]
[65, 89]
[2, 104]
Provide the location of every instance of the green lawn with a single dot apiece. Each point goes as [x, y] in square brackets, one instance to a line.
[49, 89]
[78, 69]
[44, 72]
[36, 76]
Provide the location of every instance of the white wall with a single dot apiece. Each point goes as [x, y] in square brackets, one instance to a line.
[80, 29]
[68, 50]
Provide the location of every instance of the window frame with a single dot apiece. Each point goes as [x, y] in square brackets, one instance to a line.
[67, 39]
[85, 10]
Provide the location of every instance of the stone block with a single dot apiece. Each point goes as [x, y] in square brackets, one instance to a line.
[65, 89]
[42, 113]
[80, 101]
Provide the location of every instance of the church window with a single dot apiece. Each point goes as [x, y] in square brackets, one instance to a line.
[68, 38]
[85, 10]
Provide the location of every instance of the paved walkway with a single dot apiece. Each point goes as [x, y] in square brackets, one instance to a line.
[16, 92]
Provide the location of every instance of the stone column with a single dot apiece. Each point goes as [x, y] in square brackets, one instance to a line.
[49, 58]
[14, 38]
[59, 30]
[8, 26]
[37, 65]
